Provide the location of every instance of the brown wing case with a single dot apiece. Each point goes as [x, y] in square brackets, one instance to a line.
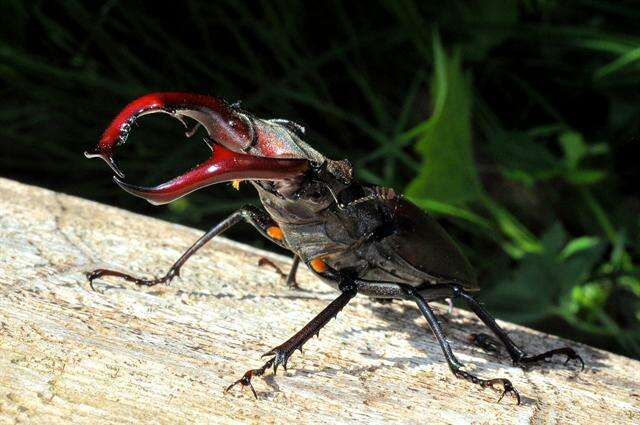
[420, 241]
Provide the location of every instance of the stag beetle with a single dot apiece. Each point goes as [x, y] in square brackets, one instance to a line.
[358, 238]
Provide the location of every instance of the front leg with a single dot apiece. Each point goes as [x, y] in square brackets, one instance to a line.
[281, 353]
[252, 215]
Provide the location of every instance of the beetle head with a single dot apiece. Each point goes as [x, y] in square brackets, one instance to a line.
[243, 147]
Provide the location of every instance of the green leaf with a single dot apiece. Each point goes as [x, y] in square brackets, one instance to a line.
[574, 147]
[522, 158]
[591, 296]
[621, 62]
[542, 282]
[448, 173]
[523, 239]
[437, 207]
[577, 245]
[528, 294]
[585, 176]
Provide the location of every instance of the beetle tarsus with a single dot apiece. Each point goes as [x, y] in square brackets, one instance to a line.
[245, 381]
[280, 357]
[569, 352]
[98, 273]
[495, 384]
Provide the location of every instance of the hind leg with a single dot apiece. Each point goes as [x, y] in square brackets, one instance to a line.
[518, 355]
[457, 368]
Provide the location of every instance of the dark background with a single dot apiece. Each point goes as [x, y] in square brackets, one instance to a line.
[516, 122]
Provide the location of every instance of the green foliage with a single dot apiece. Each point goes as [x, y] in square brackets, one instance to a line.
[515, 122]
[541, 281]
[448, 174]
[445, 140]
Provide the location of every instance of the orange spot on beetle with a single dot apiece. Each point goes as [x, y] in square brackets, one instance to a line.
[275, 232]
[236, 184]
[318, 265]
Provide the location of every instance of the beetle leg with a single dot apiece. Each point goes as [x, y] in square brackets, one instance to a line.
[252, 215]
[501, 384]
[519, 356]
[281, 353]
[291, 277]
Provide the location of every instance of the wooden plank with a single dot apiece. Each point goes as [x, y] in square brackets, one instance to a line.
[122, 354]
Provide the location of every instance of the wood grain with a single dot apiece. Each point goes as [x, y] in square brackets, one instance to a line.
[123, 354]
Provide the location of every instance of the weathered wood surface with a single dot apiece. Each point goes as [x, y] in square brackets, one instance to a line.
[123, 354]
